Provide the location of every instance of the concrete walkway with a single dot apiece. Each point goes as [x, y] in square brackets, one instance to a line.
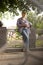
[11, 59]
[18, 58]
[15, 57]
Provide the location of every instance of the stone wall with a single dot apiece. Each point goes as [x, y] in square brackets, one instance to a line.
[32, 39]
[2, 36]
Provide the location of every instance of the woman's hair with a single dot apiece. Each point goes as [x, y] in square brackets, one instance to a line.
[23, 12]
[1, 24]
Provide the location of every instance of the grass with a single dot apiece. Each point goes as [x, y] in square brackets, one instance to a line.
[39, 43]
[12, 43]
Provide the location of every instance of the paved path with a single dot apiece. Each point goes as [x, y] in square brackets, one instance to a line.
[18, 58]
[34, 57]
[11, 59]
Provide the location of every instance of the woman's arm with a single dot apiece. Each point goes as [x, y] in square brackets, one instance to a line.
[21, 24]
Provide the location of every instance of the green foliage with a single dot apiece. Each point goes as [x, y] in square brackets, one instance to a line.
[35, 19]
[18, 35]
[12, 5]
[39, 43]
[0, 15]
[40, 25]
[31, 16]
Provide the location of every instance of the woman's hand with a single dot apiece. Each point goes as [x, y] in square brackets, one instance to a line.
[27, 25]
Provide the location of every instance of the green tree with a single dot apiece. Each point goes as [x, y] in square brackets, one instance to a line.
[12, 5]
[40, 22]
[32, 17]
[36, 20]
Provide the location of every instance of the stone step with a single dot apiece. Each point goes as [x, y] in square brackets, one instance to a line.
[11, 59]
[13, 50]
[11, 55]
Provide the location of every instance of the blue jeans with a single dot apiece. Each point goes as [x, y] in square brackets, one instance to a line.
[25, 34]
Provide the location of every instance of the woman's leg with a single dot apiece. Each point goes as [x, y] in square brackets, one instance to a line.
[25, 35]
